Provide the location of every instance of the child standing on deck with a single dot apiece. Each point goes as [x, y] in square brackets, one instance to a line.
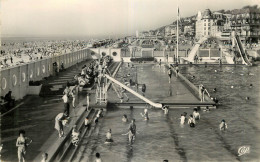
[177, 70]
[169, 74]
[143, 89]
[87, 108]
[73, 95]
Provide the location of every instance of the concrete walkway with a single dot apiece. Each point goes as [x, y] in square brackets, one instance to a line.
[36, 116]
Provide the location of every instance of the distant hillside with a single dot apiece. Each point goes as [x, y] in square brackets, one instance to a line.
[192, 19]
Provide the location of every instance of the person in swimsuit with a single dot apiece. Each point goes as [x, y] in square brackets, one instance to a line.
[58, 123]
[98, 158]
[183, 118]
[207, 109]
[87, 105]
[145, 115]
[75, 136]
[191, 121]
[124, 119]
[132, 131]
[73, 94]
[223, 125]
[196, 114]
[177, 70]
[22, 142]
[169, 74]
[109, 136]
[44, 157]
[202, 91]
[66, 104]
[143, 89]
[86, 122]
[165, 109]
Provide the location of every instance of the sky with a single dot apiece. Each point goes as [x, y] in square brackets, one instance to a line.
[97, 18]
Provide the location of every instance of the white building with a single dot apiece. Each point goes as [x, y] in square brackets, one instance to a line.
[209, 24]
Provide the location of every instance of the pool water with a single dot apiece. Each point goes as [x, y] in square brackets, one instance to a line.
[162, 137]
[158, 88]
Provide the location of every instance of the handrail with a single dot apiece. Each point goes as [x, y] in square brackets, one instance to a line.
[158, 105]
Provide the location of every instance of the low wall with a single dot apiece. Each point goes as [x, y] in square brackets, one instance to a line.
[194, 89]
[16, 78]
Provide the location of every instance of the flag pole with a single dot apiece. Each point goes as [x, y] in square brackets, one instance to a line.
[177, 49]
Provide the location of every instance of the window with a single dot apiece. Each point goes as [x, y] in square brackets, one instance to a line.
[4, 83]
[14, 79]
[23, 77]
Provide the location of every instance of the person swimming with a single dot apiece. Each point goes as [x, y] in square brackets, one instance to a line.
[191, 121]
[109, 136]
[132, 132]
[223, 125]
[183, 118]
[145, 115]
[196, 114]
[165, 109]
[207, 109]
[124, 119]
[215, 90]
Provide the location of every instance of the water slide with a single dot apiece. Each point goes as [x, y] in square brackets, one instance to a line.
[195, 49]
[158, 105]
[242, 51]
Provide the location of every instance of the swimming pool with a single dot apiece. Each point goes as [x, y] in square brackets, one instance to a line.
[162, 137]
